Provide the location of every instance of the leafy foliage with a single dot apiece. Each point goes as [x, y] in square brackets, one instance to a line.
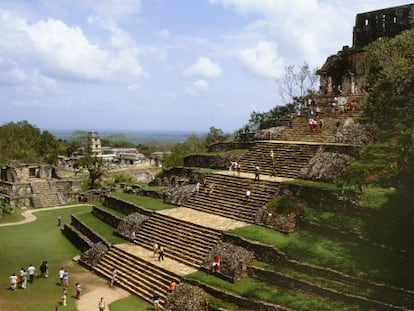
[191, 145]
[391, 100]
[94, 165]
[5, 207]
[215, 135]
[24, 142]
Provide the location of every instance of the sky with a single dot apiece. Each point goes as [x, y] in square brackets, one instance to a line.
[160, 64]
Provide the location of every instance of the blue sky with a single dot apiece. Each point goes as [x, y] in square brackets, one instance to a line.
[160, 64]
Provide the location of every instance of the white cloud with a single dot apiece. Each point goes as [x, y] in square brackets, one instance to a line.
[204, 68]
[10, 73]
[61, 51]
[197, 87]
[263, 60]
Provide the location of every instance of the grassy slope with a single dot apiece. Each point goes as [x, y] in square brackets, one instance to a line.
[34, 243]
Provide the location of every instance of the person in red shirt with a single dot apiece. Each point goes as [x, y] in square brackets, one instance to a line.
[216, 264]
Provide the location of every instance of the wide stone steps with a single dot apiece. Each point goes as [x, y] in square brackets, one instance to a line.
[288, 159]
[183, 241]
[136, 275]
[299, 131]
[245, 208]
[239, 185]
[43, 194]
[229, 212]
[228, 197]
[190, 227]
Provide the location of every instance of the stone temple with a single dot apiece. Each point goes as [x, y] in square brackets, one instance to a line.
[346, 71]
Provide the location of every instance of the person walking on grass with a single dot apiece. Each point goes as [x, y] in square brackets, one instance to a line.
[64, 297]
[31, 271]
[23, 277]
[13, 281]
[65, 278]
[60, 275]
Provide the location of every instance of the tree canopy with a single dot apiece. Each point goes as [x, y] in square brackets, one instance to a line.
[23, 142]
[390, 103]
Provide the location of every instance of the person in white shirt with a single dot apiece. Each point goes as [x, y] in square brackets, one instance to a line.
[60, 275]
[31, 271]
[13, 281]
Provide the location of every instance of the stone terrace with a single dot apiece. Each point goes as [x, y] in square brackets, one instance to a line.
[289, 157]
[228, 197]
[184, 241]
[137, 274]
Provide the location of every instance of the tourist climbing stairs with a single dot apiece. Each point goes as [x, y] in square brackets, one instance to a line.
[136, 275]
[183, 241]
[299, 130]
[228, 197]
[44, 194]
[288, 159]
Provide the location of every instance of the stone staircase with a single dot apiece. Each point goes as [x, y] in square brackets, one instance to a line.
[299, 131]
[228, 197]
[183, 241]
[289, 158]
[136, 275]
[45, 194]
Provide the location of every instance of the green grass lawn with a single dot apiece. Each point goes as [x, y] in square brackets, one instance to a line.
[360, 260]
[255, 289]
[146, 202]
[100, 227]
[33, 243]
[342, 222]
[13, 217]
[131, 303]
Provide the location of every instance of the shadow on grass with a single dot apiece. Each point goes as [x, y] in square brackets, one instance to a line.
[393, 225]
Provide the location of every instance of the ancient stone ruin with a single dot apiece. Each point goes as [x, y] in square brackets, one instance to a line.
[345, 72]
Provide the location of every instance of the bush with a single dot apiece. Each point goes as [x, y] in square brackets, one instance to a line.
[5, 207]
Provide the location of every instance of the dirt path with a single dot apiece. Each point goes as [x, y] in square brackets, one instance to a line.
[29, 217]
[89, 301]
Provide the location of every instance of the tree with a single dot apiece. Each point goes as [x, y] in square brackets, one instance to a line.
[24, 142]
[50, 148]
[296, 82]
[390, 104]
[191, 145]
[94, 165]
[215, 135]
[5, 207]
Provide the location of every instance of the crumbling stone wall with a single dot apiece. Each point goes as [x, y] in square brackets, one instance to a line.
[389, 22]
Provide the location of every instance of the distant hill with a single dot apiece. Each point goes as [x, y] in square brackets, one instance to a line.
[136, 136]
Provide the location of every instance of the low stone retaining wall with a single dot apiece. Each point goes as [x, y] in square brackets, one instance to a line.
[223, 147]
[78, 239]
[209, 161]
[245, 303]
[326, 200]
[274, 256]
[84, 229]
[106, 217]
[296, 284]
[125, 207]
[261, 251]
[350, 236]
